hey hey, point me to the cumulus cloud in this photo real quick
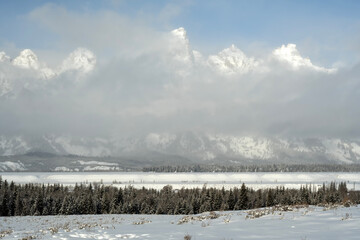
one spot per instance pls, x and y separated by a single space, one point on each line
126 78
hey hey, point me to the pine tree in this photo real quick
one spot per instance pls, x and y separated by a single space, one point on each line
231 200
11 204
4 209
243 201
64 206
18 206
270 198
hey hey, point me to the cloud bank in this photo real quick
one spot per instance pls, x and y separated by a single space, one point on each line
125 78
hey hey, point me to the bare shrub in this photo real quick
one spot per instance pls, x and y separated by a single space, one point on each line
202 217
5 232
142 221
187 237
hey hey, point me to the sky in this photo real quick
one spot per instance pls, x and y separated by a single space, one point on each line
103 68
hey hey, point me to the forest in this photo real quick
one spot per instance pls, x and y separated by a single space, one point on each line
256 168
40 199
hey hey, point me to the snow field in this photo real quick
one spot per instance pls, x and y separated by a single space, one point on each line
302 223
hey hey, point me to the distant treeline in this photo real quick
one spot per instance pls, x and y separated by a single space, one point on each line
36 199
258 168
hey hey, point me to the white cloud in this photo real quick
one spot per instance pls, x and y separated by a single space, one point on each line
104 32
4 57
5 85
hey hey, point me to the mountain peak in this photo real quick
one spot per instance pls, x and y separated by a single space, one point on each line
232 60
180 47
232 51
233 47
180 33
81 59
27 59
291 55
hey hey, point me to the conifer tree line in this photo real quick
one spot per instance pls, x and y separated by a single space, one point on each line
256 168
36 199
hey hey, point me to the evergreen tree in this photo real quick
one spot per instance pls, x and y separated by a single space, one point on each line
18 206
231 200
4 208
270 198
32 199
243 201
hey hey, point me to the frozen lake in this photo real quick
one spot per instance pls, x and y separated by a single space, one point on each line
188 180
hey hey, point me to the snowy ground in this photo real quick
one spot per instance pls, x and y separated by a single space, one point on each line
187 180
303 223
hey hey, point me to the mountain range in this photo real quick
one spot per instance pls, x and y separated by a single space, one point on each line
62 152
228 62
28 66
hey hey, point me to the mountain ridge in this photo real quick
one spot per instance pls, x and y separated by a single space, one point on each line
196 146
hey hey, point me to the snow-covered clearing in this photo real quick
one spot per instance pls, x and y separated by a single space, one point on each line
187 180
302 223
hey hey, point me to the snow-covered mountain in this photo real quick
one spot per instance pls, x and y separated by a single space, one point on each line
81 60
26 71
28 60
291 56
232 60
228 61
194 146
180 46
